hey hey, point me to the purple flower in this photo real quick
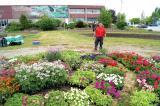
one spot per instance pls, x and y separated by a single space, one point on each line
97 85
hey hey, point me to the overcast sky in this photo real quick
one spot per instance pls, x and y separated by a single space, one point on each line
132 8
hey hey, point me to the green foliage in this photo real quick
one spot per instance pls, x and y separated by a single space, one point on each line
98 98
80 24
71 25
31 58
121 22
113 70
56 98
24 22
16 100
46 23
72 58
135 20
53 55
103 51
105 17
35 100
76 97
13 26
143 98
82 78
3 34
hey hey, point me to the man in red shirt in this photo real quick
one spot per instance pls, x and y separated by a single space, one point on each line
100 33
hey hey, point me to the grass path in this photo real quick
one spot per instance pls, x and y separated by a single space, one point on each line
79 41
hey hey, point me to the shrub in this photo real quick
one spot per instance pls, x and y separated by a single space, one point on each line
80 24
56 98
91 65
17 100
53 55
82 78
46 23
143 98
13 26
8 86
76 97
71 25
121 25
72 58
24 22
97 97
33 78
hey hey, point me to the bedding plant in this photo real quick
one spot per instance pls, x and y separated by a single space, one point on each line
83 80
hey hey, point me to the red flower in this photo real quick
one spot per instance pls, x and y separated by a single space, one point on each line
145 63
153 76
140 62
137 69
156 85
158 78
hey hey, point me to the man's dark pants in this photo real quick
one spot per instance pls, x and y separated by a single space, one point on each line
99 40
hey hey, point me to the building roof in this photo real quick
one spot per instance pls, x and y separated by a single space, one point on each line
6 12
85 6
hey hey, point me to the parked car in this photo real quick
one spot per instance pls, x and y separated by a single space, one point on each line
142 26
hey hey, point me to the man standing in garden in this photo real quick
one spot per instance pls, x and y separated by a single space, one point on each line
99 34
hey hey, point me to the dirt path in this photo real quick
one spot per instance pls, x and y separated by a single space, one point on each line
29 51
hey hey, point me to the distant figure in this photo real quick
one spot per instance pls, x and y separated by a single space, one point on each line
100 33
94 26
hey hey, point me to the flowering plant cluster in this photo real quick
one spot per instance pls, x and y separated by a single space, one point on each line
148 80
8 86
7 73
132 61
34 77
91 65
89 56
156 58
107 62
72 59
108 87
116 79
76 97
82 78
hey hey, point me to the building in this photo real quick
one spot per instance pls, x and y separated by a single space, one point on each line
86 13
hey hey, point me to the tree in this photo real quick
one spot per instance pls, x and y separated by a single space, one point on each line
135 20
105 17
46 23
24 22
121 21
113 15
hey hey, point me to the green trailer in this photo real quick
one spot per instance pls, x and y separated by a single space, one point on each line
11 40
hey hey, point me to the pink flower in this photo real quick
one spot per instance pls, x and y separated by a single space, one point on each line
145 63
97 85
153 76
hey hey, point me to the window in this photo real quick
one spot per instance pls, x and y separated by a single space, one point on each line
93 11
77 11
80 19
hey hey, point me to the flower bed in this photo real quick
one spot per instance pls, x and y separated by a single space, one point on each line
94 79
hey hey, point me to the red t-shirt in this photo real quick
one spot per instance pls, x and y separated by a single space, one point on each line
100 32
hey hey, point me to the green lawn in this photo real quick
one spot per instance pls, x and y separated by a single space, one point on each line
77 39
